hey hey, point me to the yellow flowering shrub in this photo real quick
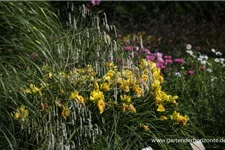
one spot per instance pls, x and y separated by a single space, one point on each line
119 86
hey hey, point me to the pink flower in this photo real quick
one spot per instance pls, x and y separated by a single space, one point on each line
191 72
160 65
127 48
160 60
168 61
168 57
95 2
145 50
137 48
150 57
179 60
159 55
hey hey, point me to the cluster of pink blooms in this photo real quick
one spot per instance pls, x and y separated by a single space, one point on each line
160 60
157 57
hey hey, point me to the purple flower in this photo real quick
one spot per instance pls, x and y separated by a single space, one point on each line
179 60
95 2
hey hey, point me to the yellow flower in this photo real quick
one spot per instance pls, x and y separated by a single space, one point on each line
145 127
110 73
127 74
16 115
183 120
20 113
50 75
152 64
125 87
158 97
156 85
124 107
110 65
144 78
175 116
138 91
179 118
174 102
161 108
131 108
120 81
101 106
75 95
105 86
143 64
96 95
35 89
107 78
65 112
96 86
163 118
28 91
173 98
164 96
125 99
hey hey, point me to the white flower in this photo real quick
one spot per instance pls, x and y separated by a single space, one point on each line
213 78
218 54
203 59
200 59
203 62
209 70
206 57
188 46
190 52
213 50
178 74
217 60
222 60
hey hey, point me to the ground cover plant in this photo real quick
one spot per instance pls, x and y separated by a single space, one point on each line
81 85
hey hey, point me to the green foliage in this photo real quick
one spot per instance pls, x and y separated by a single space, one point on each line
202 98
